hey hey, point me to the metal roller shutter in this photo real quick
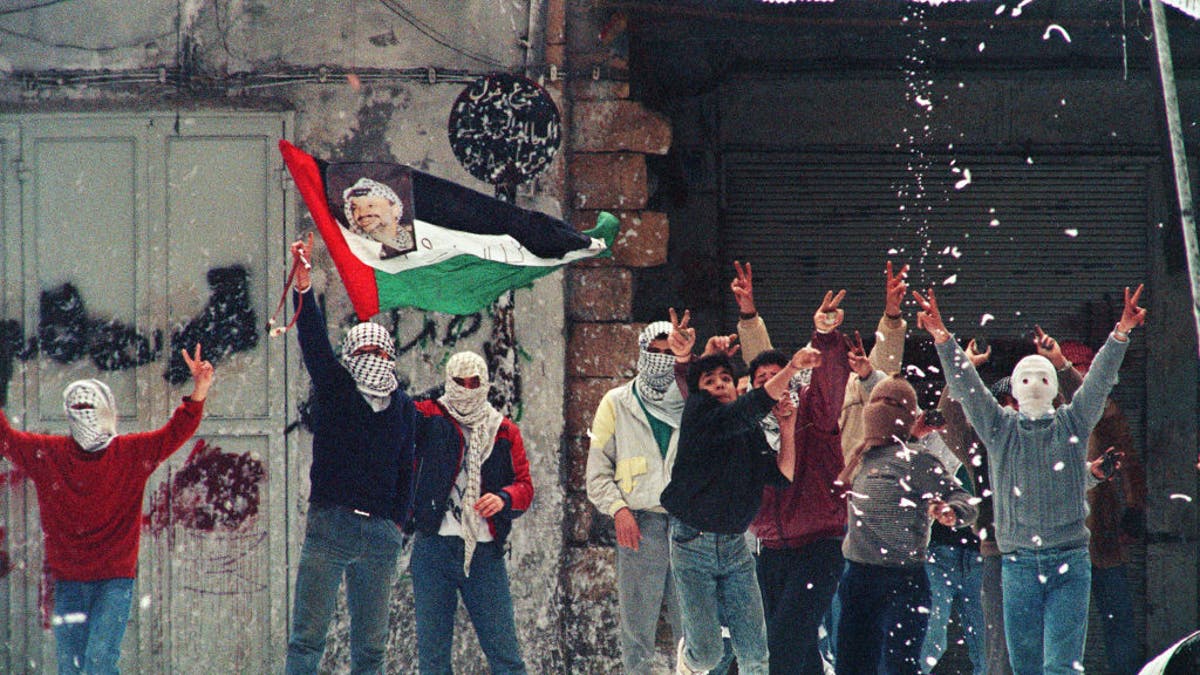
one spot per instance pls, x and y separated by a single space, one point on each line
1049 243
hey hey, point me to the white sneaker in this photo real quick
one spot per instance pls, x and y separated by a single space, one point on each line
681 667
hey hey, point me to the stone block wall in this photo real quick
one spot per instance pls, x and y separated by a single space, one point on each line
609 137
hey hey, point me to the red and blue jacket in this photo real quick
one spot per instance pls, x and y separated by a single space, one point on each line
439 454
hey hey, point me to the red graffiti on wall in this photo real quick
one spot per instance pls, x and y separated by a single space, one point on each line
214 490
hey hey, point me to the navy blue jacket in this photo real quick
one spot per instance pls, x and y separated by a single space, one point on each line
362 459
722 464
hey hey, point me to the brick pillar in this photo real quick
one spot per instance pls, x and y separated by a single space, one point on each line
607 140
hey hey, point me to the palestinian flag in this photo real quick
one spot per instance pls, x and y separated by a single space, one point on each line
403 238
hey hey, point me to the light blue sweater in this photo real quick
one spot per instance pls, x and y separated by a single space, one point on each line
1037 466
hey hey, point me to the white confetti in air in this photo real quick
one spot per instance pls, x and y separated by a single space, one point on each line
1043 578
1017 10
934 369
950 280
1055 27
915 371
977 460
975 501
1059 466
1077 666
1062 569
994 223
144 603
905 485
906 503
1181 497
809 586
1071 232
985 318
930 661
1037 541
981 45
923 102
999 11
922 610
892 251
1016 491
883 551
954 252
964 181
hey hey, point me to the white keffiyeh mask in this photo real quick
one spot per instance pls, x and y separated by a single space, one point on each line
375 375
470 408
91 413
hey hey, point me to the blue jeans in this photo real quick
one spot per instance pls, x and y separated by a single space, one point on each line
954 572
797 587
1046 608
438 579
339 542
1110 592
715 579
881 627
89 622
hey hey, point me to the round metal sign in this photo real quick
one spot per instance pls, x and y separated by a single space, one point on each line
504 129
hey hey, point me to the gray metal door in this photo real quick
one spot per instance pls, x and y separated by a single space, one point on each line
137 234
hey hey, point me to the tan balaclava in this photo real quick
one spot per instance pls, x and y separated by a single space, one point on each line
890 413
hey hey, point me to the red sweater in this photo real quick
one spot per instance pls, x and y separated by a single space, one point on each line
91 502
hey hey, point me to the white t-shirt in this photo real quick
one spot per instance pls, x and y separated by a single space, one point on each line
455 511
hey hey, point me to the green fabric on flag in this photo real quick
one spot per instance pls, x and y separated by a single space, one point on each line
466 284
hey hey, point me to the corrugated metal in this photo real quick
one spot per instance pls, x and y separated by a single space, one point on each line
1049 243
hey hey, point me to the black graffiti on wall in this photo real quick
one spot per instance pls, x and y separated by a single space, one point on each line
226 325
68 333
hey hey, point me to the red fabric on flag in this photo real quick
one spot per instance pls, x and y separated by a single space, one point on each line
358 278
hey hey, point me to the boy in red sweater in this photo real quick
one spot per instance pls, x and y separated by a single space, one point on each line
89 488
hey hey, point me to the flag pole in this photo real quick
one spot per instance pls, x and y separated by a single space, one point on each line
1187 214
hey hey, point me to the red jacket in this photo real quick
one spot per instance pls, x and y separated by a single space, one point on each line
91 502
438 460
808 509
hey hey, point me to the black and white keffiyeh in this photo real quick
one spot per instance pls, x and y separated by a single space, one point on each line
91 413
374 375
655 382
656 372
470 408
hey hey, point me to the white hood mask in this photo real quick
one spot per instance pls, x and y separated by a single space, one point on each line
91 413
374 375
1034 385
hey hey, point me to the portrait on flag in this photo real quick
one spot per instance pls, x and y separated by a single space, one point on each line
374 203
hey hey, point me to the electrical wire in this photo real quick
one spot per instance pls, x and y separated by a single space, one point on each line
88 48
432 33
27 8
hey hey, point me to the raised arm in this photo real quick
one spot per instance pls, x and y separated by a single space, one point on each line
752 332
1087 405
888 351
319 359
681 342
962 380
